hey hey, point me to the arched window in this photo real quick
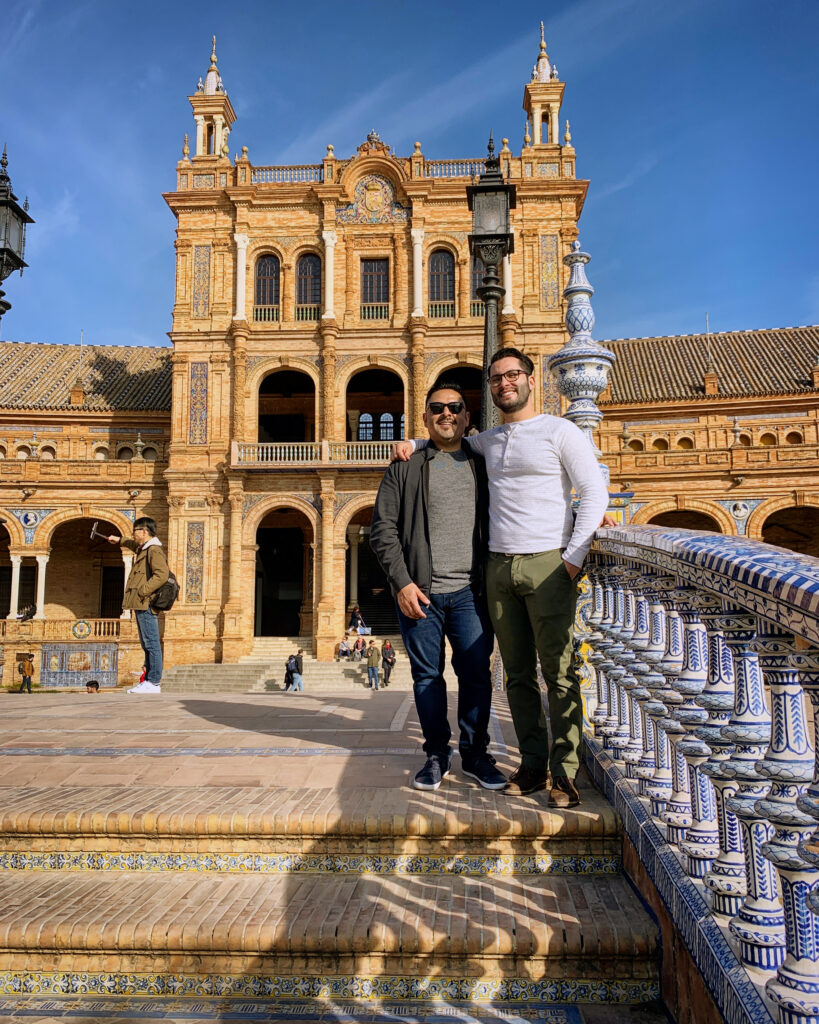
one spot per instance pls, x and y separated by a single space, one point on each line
308 287
476 306
402 435
768 440
659 444
2 452
150 454
266 307
441 284
745 440
365 427
23 452
101 453
794 437
635 445
47 453
386 427
125 454
685 442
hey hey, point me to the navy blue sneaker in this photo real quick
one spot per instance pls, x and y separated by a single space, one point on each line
433 773
482 767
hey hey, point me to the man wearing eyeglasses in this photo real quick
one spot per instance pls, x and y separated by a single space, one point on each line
429 532
536 550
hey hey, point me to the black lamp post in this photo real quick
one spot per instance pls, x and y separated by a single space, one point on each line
490 201
13 221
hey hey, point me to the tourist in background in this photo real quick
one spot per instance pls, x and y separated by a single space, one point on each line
373 658
387 660
26 669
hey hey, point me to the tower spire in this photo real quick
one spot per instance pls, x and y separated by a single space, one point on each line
542 71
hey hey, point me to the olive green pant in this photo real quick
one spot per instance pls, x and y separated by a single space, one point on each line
532 604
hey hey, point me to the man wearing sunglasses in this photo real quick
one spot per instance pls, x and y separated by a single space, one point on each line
429 532
536 549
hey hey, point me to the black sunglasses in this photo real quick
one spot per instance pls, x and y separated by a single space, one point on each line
436 408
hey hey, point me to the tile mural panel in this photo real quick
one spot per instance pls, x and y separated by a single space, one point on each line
201 280
549 273
194 562
72 665
198 403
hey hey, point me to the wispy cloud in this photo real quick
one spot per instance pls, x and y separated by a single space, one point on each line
19 20
645 165
55 224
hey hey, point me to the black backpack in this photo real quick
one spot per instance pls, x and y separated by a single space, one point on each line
292 664
162 600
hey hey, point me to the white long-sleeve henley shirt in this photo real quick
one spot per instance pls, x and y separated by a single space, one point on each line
532 467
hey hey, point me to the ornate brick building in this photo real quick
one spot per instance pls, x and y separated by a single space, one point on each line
314 306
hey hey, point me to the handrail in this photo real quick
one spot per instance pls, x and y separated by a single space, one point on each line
286 173
369 452
685 635
470 167
278 452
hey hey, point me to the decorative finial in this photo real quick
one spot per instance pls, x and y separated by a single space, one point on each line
504 145
542 71
373 138
527 138
491 147
330 149
542 39
567 135
25 204
416 147
213 56
186 149
200 85
4 160
554 73
225 149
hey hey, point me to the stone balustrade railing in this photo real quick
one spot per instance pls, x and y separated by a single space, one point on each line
703 649
283 455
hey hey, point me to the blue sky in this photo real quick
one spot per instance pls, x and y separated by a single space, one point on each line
695 121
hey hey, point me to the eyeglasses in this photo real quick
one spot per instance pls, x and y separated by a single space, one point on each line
436 408
510 375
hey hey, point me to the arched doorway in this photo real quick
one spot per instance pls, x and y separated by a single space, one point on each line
366 583
284 574
85 578
27 591
470 379
794 528
686 519
287 407
375 406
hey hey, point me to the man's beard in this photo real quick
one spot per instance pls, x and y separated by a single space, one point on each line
511 404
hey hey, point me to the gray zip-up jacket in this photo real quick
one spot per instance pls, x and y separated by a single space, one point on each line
399 535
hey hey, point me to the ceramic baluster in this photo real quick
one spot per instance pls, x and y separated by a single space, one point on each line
623 679
677 811
657 785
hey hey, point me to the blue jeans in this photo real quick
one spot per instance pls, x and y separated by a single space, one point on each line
148 629
372 676
296 682
463 618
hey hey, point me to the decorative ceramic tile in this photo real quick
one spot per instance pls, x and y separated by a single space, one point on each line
551 392
549 273
203 181
548 169
198 404
194 562
373 203
72 665
201 280
424 990
287 863
30 519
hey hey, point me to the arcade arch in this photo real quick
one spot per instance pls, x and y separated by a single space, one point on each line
795 528
366 584
686 519
375 406
287 407
85 577
283 578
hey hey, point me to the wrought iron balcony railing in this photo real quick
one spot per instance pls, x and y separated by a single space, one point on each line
698 653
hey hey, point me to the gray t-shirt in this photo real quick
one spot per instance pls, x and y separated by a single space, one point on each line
452 511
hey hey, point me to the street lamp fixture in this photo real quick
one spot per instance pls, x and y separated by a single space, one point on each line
490 201
13 221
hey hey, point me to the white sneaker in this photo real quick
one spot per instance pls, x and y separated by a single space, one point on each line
145 687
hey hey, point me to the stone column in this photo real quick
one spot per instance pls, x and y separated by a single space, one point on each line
330 238
287 283
235 553
464 287
127 562
554 125
537 124
200 135
418 329
326 629
329 334
218 126
240 335
16 562
508 302
42 562
242 242
354 536
417 235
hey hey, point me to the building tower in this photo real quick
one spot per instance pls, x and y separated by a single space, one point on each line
212 112
542 98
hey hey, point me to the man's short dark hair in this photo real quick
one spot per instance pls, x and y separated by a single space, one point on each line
93 684
513 353
147 524
445 385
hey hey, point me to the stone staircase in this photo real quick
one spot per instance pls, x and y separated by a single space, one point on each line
263 670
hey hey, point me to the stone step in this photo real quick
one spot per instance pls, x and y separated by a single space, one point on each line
472 930
265 676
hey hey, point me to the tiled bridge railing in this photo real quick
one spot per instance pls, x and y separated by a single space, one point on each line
703 649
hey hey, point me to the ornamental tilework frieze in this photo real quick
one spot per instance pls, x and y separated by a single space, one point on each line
129 513
249 501
254 361
551 393
198 414
343 498
740 511
548 170
203 181
201 280
373 203
30 519
194 562
549 276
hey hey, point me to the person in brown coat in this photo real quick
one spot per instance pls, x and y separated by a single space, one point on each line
148 573
26 670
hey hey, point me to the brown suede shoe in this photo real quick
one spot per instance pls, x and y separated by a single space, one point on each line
564 792
527 780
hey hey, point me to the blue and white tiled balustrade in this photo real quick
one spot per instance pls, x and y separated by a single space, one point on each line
703 651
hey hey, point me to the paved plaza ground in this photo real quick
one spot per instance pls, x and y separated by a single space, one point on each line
88 770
